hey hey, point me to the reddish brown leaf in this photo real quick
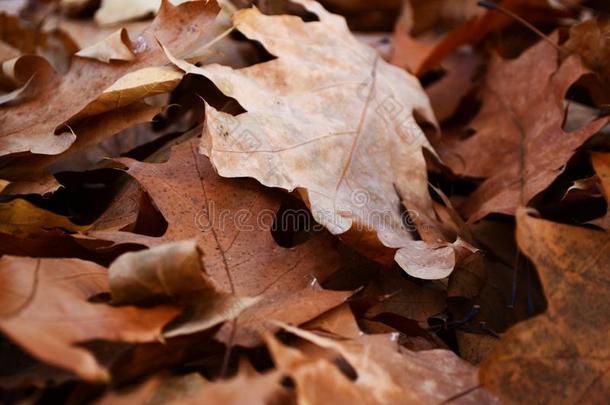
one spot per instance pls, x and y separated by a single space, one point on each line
32 126
521 117
45 309
382 372
563 355
231 222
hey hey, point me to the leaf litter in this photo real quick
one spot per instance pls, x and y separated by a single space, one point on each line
299 202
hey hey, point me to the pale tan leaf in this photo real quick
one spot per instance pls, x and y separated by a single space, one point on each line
133 86
117 46
337 124
116 11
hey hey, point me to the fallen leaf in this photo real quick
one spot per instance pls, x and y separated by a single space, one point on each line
22 218
32 126
86 33
406 299
20 70
447 93
562 355
13 95
339 321
590 40
133 86
255 389
479 27
601 164
231 221
174 272
382 372
512 125
339 127
90 131
26 39
117 46
7 52
24 76
409 53
169 175
45 309
113 12
426 15
18 36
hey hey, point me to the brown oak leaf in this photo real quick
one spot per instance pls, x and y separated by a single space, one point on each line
44 308
561 356
37 125
231 221
337 124
522 115
381 372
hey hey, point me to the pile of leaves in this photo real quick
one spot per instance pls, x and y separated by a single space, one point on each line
378 202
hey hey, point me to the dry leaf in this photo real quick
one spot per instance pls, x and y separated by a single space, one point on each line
166 182
90 131
419 16
32 126
522 115
447 93
20 70
24 76
339 321
116 11
338 126
86 33
601 164
45 309
382 372
590 40
406 299
478 28
256 389
231 222
21 218
562 355
174 272
117 46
